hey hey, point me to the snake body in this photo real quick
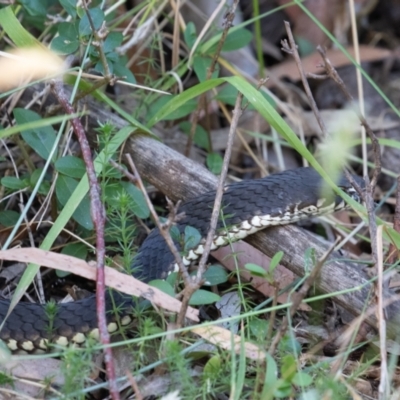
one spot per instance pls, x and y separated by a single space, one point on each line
247 207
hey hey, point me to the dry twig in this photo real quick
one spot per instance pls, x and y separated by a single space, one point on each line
292 50
163 227
216 209
228 23
98 217
191 285
330 72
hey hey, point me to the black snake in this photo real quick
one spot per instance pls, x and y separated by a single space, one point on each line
247 207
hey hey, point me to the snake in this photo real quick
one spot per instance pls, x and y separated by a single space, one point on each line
247 207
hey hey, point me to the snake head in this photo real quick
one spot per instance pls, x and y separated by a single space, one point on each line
350 190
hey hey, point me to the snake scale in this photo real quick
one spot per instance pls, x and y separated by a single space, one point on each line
247 207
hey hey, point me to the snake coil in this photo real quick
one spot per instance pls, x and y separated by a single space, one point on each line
247 207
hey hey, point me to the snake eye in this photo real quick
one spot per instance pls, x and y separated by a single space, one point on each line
353 194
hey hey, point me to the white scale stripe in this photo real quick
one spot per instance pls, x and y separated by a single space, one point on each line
258 223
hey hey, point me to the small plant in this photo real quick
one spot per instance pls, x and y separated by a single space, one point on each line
77 368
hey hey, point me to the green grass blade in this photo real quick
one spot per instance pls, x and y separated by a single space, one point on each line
16 32
36 124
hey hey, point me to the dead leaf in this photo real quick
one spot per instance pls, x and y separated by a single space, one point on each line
122 282
310 63
223 338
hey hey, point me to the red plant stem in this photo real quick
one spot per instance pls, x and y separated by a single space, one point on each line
98 217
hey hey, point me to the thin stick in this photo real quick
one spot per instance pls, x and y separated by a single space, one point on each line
292 50
98 217
331 72
354 33
228 23
189 290
134 385
384 385
163 227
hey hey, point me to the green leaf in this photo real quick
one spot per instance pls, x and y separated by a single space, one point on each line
44 186
288 367
71 166
65 186
172 278
270 379
302 379
190 35
215 275
122 72
69 6
289 344
14 183
200 134
138 205
35 7
213 367
67 41
234 41
80 12
97 16
175 234
214 163
258 328
256 270
227 95
393 236
63 45
237 39
201 66
100 68
192 238
112 57
17 33
164 286
9 218
284 389
113 40
276 259
40 139
201 297
78 250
